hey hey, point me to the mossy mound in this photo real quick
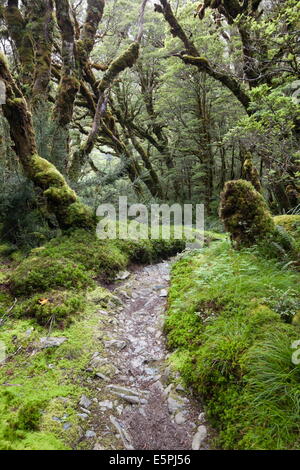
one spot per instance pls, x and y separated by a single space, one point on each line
55 306
103 258
40 274
73 260
247 218
291 223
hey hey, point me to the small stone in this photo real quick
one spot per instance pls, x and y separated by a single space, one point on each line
98 447
180 418
102 376
90 434
67 426
115 344
174 405
83 415
163 293
85 401
202 418
122 275
168 389
106 404
199 437
56 419
85 410
48 342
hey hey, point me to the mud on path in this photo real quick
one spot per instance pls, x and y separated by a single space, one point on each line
142 404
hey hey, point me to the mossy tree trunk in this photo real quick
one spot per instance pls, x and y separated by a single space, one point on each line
75 54
61 199
42 32
20 34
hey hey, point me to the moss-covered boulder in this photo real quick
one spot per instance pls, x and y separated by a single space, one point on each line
247 218
59 306
291 223
39 274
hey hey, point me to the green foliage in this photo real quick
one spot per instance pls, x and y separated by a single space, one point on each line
225 324
291 223
25 221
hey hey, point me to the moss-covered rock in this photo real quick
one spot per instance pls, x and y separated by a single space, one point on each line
39 274
291 223
58 306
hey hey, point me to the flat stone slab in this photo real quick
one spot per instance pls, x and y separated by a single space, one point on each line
121 276
48 342
199 437
85 402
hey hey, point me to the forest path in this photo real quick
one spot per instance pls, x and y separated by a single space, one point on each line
144 405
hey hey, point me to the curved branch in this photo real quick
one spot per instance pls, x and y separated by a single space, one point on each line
192 57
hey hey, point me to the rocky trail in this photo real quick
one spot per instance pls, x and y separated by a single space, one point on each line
139 404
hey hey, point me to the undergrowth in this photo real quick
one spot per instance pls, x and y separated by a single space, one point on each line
52 292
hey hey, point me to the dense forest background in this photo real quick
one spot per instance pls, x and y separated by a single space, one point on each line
160 101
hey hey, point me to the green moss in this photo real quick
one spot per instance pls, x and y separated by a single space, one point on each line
63 196
250 173
226 326
55 306
126 59
246 217
67 91
79 215
201 62
40 274
33 416
45 173
291 223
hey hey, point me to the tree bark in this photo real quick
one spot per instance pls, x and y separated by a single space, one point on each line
61 199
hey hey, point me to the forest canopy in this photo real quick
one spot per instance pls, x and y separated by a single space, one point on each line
159 100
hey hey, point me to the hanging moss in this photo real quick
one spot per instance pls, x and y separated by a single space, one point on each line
250 173
245 214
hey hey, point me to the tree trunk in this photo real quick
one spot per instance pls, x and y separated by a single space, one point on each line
61 199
